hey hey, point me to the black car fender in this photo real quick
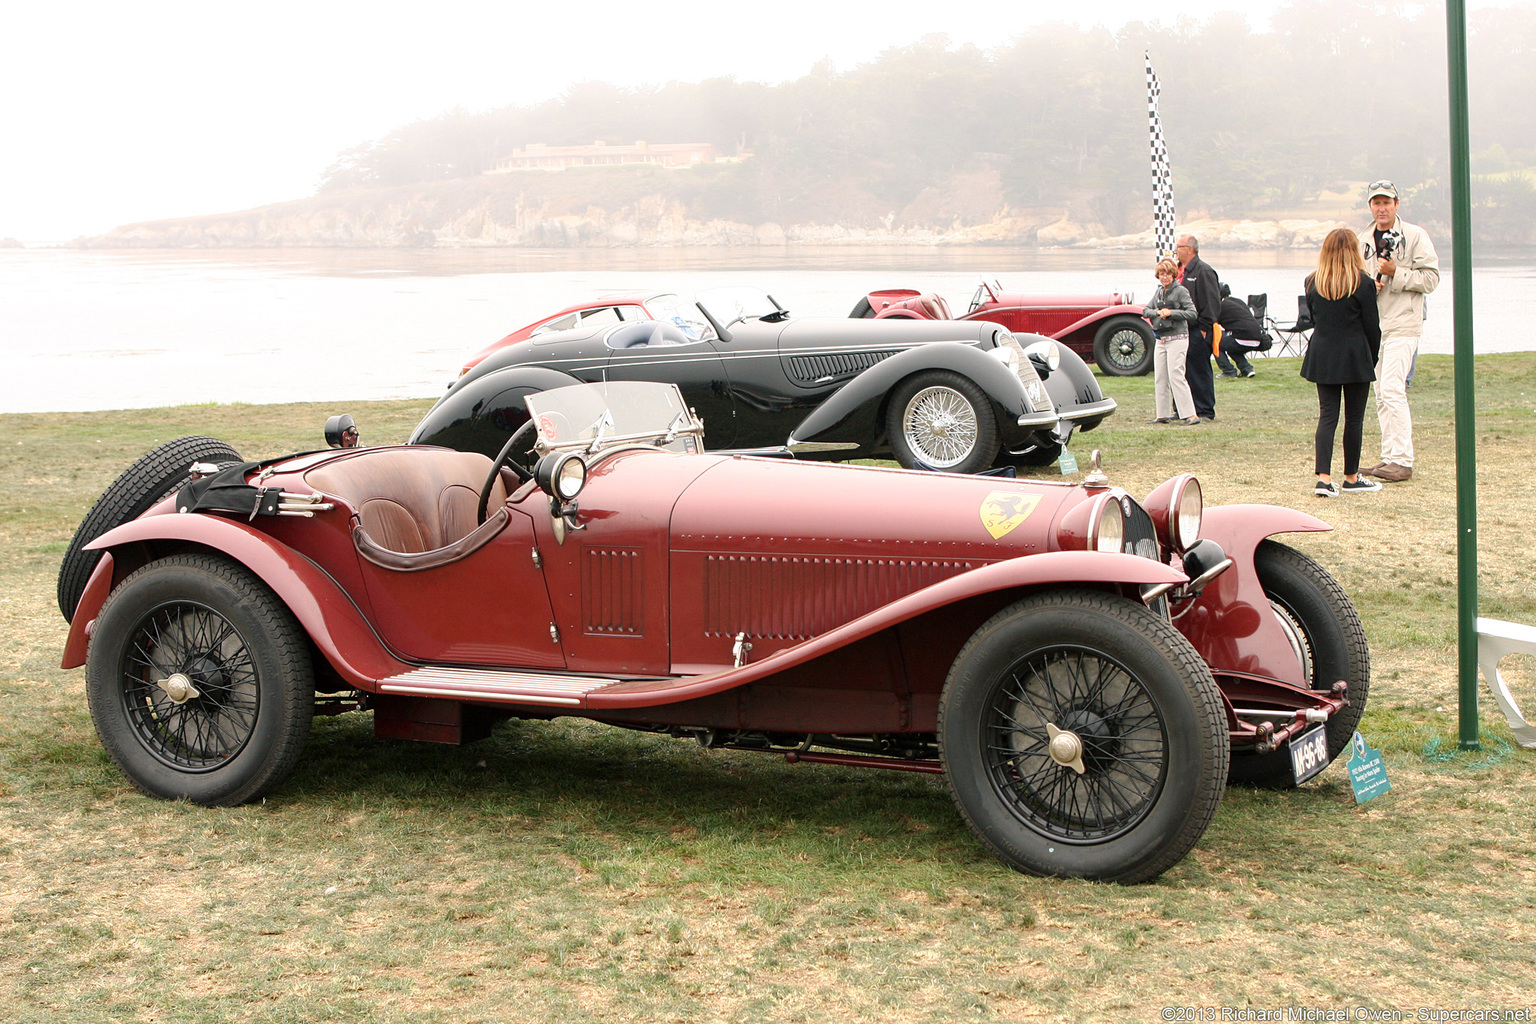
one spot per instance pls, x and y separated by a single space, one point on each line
856 411
1073 386
479 414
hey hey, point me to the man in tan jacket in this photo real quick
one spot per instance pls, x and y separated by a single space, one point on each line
1403 261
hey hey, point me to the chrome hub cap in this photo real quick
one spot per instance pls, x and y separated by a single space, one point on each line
178 688
940 426
1066 748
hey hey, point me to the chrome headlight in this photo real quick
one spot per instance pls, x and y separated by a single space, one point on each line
561 476
1008 352
1188 507
1045 353
1107 531
1176 507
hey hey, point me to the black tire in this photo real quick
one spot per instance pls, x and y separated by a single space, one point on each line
198 621
862 310
157 473
1123 346
941 420
1329 641
1142 709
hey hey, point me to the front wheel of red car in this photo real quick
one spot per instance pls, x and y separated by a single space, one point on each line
941 420
1123 346
200 682
1082 736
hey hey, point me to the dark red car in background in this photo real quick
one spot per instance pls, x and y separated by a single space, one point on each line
1108 329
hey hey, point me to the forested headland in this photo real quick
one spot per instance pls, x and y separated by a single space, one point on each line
1041 140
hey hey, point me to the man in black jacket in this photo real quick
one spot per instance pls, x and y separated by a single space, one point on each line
1205 291
1241 333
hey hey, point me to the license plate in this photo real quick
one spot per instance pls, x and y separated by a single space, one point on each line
1309 753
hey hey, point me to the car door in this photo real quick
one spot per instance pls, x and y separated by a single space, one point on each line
695 365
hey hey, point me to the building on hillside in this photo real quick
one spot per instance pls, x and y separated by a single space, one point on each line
541 157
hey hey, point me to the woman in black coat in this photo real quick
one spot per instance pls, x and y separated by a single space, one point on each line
1341 357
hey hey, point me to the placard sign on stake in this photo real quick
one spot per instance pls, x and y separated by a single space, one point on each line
1367 773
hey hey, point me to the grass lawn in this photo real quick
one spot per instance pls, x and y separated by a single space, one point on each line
570 872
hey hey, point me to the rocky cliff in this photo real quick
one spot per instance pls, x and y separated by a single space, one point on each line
562 211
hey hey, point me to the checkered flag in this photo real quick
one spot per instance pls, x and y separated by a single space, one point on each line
1162 177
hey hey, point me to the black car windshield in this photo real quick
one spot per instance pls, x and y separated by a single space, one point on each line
728 305
592 417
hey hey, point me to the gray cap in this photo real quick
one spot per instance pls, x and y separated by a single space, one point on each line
1381 188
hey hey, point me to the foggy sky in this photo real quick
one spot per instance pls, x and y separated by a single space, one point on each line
115 113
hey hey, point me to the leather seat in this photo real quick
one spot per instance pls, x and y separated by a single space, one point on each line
414 502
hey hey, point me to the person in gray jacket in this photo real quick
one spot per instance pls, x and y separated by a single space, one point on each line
1170 313
1402 261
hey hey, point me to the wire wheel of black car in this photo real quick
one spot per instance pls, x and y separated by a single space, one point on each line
1329 642
200 682
158 472
1083 736
941 420
1123 346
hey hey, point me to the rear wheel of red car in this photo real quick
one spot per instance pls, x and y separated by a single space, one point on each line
200 682
1123 346
1082 736
941 420
1329 641
157 473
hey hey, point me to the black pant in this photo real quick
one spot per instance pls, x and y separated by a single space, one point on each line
1354 396
1197 371
1233 350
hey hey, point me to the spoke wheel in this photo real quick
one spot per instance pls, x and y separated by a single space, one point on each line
1082 736
943 421
1077 747
1123 347
190 687
200 682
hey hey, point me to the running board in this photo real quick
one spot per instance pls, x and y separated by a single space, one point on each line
490 685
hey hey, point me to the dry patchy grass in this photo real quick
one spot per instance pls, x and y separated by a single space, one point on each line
570 872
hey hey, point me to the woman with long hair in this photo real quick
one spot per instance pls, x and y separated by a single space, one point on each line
1341 357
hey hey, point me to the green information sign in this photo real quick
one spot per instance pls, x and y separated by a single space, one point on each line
1366 772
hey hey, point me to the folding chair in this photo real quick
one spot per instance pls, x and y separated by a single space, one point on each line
1293 337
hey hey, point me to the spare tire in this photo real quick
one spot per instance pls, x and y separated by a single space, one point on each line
156 474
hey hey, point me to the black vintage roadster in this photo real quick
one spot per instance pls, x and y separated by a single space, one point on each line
946 395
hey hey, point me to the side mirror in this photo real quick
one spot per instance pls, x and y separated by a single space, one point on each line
341 432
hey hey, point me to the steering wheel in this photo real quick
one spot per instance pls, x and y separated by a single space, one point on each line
504 458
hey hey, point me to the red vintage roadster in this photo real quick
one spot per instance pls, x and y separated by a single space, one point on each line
1086 670
1107 329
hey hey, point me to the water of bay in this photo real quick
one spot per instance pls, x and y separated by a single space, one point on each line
86 330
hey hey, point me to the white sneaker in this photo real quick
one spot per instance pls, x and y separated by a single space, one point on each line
1362 483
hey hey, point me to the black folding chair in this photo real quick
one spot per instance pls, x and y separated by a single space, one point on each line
1292 337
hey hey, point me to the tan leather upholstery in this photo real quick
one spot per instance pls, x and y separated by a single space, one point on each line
934 305
411 500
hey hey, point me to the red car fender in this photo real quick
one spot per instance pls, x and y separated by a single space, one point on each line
1232 624
1056 567
323 609
1098 316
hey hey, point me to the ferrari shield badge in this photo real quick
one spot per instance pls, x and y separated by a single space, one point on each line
1001 511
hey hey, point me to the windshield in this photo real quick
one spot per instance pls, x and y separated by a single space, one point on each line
669 309
728 305
592 417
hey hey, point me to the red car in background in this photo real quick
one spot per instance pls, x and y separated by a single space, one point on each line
1107 329
620 307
